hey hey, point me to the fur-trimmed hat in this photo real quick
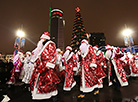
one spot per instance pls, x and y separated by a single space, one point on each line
58 50
69 48
46 35
84 41
96 47
28 52
108 47
20 52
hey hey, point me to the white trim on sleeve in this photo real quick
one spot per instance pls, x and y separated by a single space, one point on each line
51 65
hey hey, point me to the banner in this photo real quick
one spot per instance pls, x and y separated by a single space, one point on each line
22 43
131 41
16 44
126 41
133 50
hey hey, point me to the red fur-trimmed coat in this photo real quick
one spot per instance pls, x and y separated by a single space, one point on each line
70 65
100 65
120 73
43 81
89 71
134 70
126 66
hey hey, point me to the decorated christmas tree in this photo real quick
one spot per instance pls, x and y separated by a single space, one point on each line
79 32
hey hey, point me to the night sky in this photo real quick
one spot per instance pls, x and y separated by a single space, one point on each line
107 16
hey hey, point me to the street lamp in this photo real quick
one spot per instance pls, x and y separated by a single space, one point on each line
20 33
127 32
20 41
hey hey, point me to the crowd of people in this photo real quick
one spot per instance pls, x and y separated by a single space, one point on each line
46 66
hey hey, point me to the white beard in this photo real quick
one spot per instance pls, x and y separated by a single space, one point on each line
108 54
27 57
83 48
66 54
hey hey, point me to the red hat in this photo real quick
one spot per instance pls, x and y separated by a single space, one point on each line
28 52
20 52
96 47
84 41
117 49
46 35
108 47
69 48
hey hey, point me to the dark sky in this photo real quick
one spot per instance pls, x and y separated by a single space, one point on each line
107 16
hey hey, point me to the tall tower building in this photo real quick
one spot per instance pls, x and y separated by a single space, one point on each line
57 28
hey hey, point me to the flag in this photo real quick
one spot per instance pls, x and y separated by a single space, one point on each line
131 40
16 44
126 41
22 43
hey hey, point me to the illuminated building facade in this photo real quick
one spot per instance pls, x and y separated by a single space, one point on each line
97 39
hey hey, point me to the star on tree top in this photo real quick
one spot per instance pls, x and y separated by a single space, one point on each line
78 9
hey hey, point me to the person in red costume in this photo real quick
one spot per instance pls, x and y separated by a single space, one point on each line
116 73
18 66
100 64
43 81
89 72
70 64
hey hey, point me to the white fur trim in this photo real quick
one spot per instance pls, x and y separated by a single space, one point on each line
88 89
51 65
133 75
63 67
37 96
118 76
100 86
84 40
75 69
20 53
83 78
102 63
110 83
96 48
6 98
69 56
28 52
68 48
44 36
125 61
93 65
105 66
69 88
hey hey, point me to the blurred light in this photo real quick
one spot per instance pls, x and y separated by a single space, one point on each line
127 32
20 33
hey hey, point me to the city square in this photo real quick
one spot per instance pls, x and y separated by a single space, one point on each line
63 51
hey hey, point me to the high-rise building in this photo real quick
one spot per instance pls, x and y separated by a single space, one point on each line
57 28
97 39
